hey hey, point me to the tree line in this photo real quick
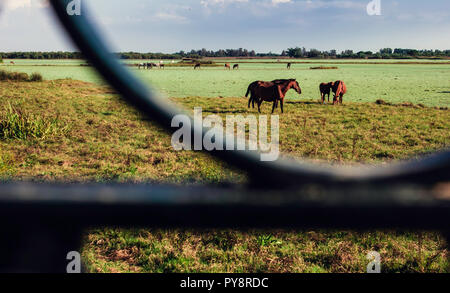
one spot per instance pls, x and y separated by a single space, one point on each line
386 53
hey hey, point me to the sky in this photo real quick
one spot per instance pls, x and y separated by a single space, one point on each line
261 25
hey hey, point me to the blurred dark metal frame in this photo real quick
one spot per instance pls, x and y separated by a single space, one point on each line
43 222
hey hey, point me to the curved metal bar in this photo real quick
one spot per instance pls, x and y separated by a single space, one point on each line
275 174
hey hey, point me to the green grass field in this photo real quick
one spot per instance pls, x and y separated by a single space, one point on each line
73 131
427 84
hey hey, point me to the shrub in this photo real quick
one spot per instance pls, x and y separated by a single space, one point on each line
19 76
17 124
36 77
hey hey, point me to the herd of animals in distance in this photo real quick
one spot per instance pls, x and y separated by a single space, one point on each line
275 91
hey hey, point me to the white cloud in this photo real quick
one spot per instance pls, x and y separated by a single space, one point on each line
170 16
280 1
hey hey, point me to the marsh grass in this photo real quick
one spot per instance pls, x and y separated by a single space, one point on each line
19 124
108 141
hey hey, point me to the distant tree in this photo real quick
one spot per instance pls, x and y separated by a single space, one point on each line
295 52
386 51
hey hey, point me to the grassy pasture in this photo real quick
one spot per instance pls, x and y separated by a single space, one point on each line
95 137
426 84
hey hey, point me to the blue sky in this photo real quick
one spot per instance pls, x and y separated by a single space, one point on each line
262 25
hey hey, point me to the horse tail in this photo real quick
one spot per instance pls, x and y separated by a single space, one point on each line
248 91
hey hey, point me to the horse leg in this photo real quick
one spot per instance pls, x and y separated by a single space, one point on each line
252 101
274 106
340 98
259 106
281 105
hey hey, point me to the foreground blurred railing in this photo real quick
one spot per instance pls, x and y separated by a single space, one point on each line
44 222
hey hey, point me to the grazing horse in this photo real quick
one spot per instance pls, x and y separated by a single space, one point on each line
252 87
227 66
12 62
289 65
274 92
339 89
161 66
235 66
325 89
151 65
142 65
197 66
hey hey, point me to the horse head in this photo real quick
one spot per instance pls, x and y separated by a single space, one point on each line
296 86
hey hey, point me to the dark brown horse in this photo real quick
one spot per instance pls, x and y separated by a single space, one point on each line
325 89
150 65
235 66
197 66
274 92
289 65
252 90
227 66
339 89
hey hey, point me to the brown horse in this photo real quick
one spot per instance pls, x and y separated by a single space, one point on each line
325 89
197 66
235 66
227 66
289 65
12 63
150 65
275 92
339 89
252 90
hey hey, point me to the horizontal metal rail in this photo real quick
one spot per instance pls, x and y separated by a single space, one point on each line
352 207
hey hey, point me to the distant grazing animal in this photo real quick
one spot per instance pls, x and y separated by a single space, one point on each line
227 66
273 92
289 65
12 62
161 66
325 89
150 65
141 65
197 66
235 66
339 89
